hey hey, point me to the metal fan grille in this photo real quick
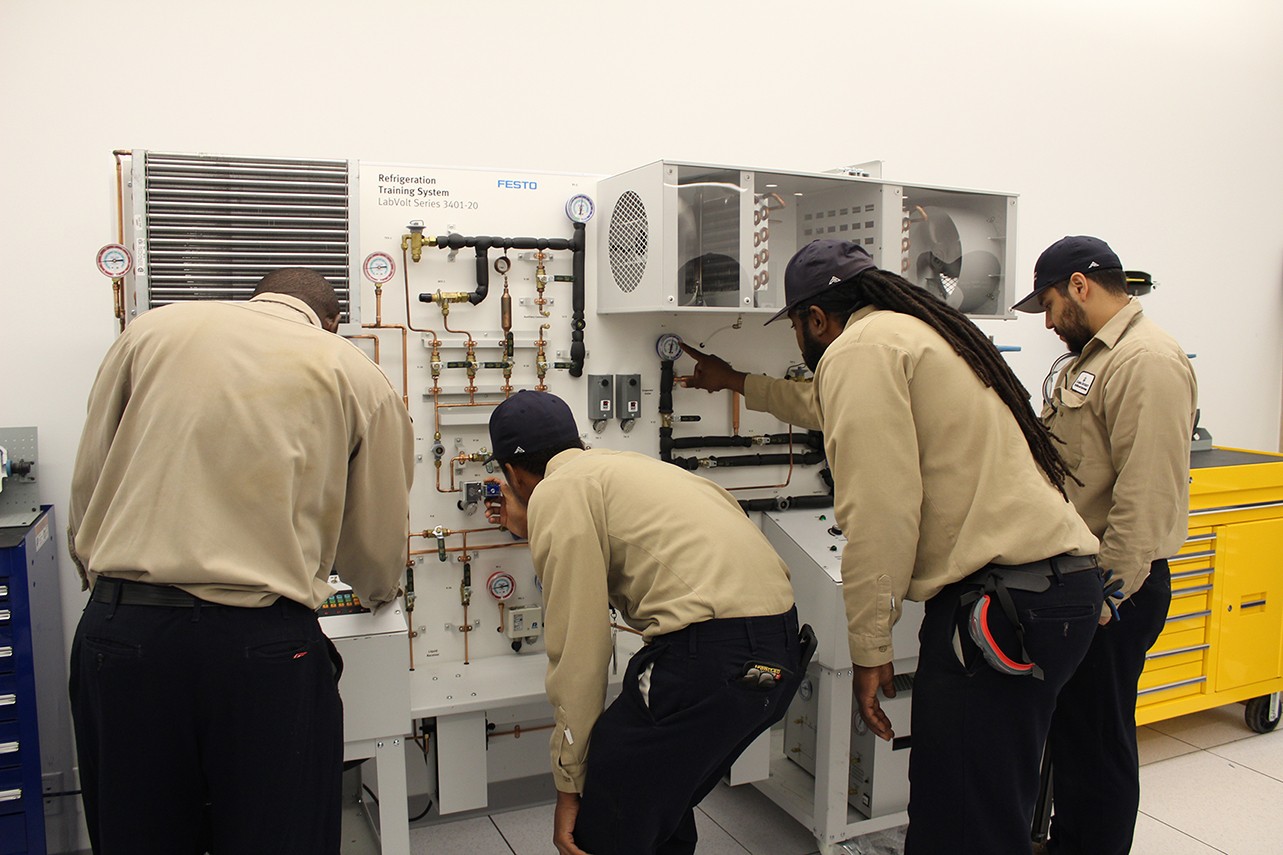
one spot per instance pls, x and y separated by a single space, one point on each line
629 241
216 225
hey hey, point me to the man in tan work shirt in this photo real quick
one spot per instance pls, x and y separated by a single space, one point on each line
675 555
1124 411
234 455
949 492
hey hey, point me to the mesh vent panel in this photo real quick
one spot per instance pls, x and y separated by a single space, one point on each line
629 241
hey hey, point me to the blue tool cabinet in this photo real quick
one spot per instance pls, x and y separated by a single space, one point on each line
22 816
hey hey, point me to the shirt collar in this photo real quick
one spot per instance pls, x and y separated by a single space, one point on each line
561 459
1113 330
291 302
860 314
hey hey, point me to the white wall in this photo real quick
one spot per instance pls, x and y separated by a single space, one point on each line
1155 124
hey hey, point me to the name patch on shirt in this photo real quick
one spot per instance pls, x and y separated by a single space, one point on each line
1082 385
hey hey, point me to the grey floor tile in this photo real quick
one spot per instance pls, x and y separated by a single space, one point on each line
1208 728
476 836
1153 746
1155 838
528 831
756 822
1221 804
713 839
1262 752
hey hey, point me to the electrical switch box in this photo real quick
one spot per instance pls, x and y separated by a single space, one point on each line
627 396
601 396
523 622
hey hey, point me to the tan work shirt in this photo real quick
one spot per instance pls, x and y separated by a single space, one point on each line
1124 410
666 548
240 452
932 476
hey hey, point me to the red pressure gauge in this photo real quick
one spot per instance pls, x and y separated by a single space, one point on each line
501 585
114 260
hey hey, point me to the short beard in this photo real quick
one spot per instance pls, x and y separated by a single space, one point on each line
812 349
1074 328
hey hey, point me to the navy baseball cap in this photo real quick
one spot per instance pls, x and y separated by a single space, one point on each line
1067 256
530 422
819 266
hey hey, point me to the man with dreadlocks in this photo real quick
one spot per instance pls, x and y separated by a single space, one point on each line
951 493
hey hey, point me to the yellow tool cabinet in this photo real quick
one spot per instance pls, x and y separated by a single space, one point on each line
1223 642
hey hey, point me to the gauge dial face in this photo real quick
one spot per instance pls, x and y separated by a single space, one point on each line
114 260
580 208
378 267
669 346
501 585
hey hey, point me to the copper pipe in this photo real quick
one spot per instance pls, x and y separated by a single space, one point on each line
466 629
626 628
405 277
517 730
120 194
735 413
373 338
118 284
787 478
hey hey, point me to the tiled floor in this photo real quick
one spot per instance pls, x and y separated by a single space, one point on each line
1208 785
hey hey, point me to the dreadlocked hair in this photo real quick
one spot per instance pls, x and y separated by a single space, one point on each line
888 291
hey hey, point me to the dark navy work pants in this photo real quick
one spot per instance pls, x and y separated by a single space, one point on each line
650 764
1095 770
207 725
978 735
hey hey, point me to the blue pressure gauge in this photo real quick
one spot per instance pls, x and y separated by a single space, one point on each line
580 208
669 346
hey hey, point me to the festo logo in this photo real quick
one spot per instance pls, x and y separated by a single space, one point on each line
833 280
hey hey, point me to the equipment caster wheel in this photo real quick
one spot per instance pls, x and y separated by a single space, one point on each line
1257 714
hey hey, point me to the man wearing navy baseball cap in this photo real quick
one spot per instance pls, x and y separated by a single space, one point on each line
1123 410
951 493
675 555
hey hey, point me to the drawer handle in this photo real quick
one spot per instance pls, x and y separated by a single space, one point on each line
1197 571
1185 592
1175 618
4 615
1251 604
5 652
1175 685
10 795
1177 651
8 700
1190 556
1251 506
8 748
4 590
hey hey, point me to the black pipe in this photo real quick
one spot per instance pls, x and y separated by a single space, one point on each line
665 410
811 440
809 458
577 323
484 243
783 503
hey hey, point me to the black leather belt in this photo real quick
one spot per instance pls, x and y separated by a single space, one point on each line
127 593
1059 565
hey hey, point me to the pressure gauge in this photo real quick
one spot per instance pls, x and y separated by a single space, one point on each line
669 346
114 260
501 585
580 208
378 267
502 265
